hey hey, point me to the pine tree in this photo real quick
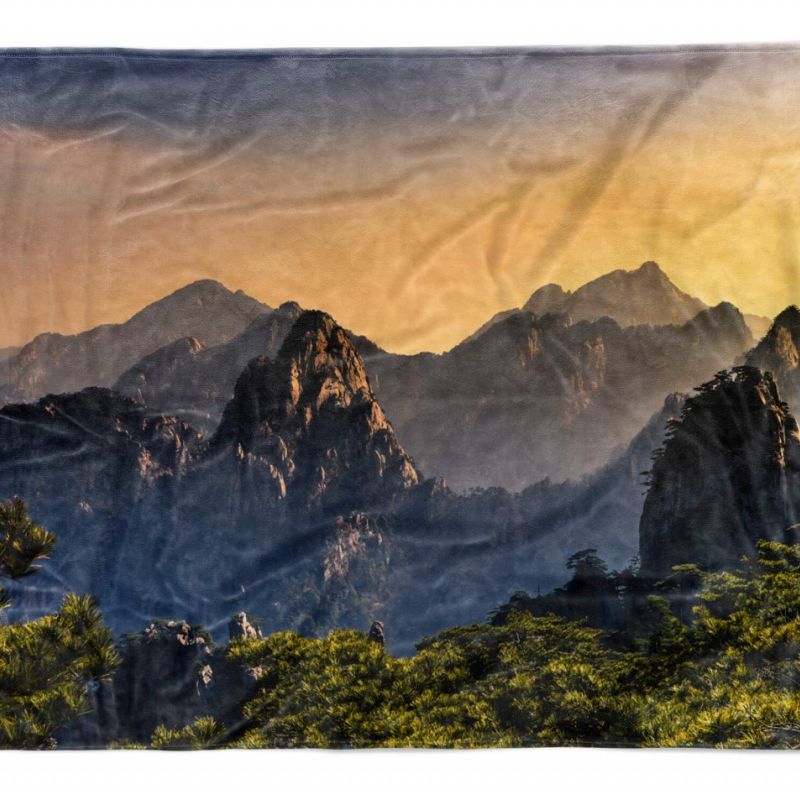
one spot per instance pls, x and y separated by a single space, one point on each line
22 544
47 663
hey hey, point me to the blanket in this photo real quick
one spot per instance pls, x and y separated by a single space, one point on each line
403 398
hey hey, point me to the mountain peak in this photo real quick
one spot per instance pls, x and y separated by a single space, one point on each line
546 299
310 421
789 318
203 293
311 324
650 269
204 285
738 434
779 352
318 350
643 296
648 275
54 363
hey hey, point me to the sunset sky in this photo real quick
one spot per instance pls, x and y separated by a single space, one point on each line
410 195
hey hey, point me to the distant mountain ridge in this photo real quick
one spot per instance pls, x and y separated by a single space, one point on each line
535 397
642 296
645 296
529 397
195 381
54 363
532 395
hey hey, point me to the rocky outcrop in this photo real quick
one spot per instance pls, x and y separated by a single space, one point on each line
170 673
376 633
53 363
196 382
307 429
727 476
241 628
779 353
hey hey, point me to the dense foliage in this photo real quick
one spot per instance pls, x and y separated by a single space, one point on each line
703 659
45 664
711 659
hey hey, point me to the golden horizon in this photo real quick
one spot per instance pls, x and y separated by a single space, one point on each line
410 199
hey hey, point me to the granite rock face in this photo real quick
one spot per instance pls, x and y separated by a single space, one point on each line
195 382
727 476
306 429
779 353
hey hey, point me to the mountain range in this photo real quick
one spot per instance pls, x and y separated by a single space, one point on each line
303 503
534 395
644 296
272 460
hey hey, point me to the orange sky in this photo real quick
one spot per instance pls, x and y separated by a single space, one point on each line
411 202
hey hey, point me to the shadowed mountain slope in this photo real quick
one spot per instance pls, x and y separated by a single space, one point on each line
728 475
779 353
537 397
196 382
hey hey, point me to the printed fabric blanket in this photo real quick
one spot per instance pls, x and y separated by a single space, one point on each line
411 398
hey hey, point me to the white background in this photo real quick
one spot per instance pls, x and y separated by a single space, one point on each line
198 24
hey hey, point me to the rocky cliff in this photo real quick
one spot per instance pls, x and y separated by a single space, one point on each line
727 476
196 382
308 428
779 353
